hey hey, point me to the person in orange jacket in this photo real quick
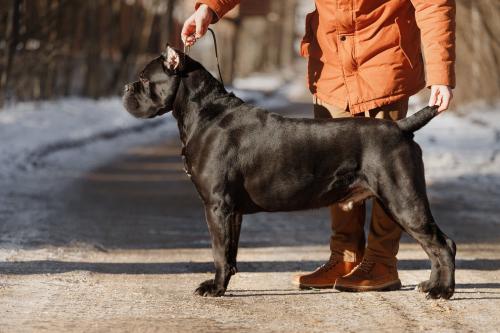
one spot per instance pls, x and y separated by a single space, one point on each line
364 60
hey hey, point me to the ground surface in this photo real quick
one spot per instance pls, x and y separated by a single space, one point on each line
108 235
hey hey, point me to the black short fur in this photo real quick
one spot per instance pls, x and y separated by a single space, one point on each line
244 160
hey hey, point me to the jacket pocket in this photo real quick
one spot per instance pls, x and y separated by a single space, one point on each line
409 40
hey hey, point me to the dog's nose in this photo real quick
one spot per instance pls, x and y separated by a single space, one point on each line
144 81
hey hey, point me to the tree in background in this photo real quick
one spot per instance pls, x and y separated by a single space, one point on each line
74 47
478 50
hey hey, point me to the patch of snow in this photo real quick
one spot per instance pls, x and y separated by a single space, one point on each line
31 128
268 91
458 143
260 82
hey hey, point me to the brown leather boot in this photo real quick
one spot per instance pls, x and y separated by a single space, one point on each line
325 275
370 276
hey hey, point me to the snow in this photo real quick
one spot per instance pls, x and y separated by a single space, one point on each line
267 90
463 143
259 82
28 130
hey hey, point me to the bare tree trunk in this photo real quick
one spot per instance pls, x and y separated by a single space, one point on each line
230 72
170 19
478 51
92 49
288 36
50 77
12 37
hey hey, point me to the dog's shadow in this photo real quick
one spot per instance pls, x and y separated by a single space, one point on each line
289 292
56 267
241 293
461 289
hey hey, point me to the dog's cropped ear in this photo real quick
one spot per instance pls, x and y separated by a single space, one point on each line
172 58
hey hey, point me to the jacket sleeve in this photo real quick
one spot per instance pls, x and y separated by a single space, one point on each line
220 7
436 20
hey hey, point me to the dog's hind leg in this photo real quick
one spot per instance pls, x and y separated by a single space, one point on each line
405 198
416 219
224 225
441 250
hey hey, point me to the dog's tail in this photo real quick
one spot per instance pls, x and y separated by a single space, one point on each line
418 120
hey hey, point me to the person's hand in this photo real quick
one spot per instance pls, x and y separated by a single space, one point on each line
441 96
196 25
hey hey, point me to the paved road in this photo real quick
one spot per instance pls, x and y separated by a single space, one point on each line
120 244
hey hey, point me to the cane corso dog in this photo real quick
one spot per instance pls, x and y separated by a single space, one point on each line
243 160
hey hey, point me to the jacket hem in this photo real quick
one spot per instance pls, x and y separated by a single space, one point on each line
370 104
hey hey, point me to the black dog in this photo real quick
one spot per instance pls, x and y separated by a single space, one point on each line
244 160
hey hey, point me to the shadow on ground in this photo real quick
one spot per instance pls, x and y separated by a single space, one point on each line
53 266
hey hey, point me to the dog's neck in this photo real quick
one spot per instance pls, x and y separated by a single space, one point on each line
200 98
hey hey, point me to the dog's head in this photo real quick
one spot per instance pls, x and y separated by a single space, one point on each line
155 92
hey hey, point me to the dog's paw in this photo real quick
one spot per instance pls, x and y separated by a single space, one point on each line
447 293
440 292
209 289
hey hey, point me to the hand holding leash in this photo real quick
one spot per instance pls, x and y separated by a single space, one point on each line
196 25
441 96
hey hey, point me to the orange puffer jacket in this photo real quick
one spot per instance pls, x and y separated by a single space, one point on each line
367 53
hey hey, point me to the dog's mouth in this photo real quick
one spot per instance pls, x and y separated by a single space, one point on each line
132 97
160 112
130 102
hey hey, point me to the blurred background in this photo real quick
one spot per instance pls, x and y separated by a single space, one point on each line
54 48
100 225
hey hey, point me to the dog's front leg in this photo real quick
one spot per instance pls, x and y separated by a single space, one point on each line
224 225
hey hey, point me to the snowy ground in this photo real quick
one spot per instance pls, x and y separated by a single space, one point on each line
101 230
31 131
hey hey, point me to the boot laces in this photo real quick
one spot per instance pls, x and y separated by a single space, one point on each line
334 260
365 266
